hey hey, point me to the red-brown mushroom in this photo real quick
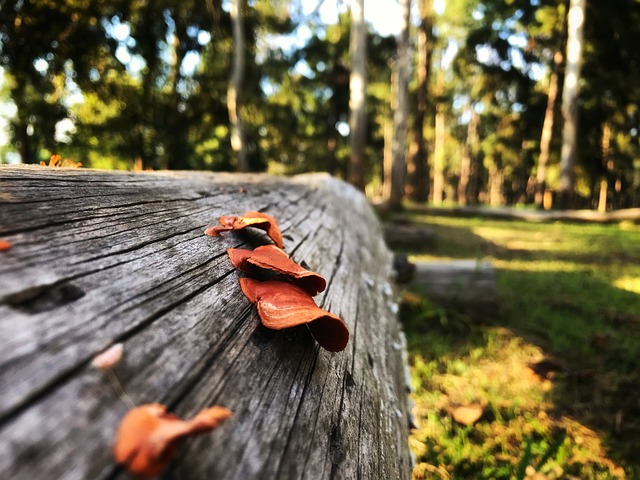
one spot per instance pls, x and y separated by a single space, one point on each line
259 220
284 305
148 436
274 259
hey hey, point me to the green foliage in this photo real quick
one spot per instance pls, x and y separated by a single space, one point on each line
154 76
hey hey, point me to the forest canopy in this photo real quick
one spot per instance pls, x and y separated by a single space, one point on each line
493 93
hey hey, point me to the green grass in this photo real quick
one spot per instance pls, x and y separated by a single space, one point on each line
555 370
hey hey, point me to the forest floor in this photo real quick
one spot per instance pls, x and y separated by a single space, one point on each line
547 386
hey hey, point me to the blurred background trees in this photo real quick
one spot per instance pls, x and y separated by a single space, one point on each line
141 84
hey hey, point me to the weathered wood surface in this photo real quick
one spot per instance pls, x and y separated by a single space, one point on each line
468 285
106 257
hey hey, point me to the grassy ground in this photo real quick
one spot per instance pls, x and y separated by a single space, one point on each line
554 373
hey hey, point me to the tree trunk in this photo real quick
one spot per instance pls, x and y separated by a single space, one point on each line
547 130
467 190
438 157
496 184
401 112
387 154
357 95
607 160
570 93
125 260
234 92
418 166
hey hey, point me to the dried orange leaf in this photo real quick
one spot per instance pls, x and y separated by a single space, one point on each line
148 436
259 220
467 414
110 357
56 161
284 305
4 245
270 257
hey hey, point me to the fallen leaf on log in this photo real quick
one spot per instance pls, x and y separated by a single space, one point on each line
109 358
148 436
274 259
259 220
284 305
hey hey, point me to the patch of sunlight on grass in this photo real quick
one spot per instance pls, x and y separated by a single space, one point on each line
630 284
537 265
523 240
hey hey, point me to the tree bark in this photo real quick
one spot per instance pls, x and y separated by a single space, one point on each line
547 130
357 95
418 166
570 94
467 188
122 258
401 112
607 160
234 92
439 157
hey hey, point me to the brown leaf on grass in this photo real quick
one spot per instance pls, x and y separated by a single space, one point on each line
284 305
148 436
5 246
259 220
467 414
274 259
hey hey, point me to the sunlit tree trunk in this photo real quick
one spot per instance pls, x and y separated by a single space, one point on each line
607 160
401 112
417 187
496 183
438 156
234 91
387 154
357 95
570 92
547 130
468 168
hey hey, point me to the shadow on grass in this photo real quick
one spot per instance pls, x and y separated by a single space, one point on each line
588 332
592 347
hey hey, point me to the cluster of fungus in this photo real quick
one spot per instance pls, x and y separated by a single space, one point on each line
284 300
149 435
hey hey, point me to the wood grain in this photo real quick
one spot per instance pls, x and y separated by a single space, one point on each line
106 257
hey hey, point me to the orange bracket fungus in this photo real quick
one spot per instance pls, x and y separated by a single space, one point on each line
259 220
272 258
148 436
5 246
283 305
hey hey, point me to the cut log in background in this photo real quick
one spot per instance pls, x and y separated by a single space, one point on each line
106 257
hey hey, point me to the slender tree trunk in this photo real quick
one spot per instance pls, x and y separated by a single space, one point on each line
438 157
607 160
401 112
387 158
570 94
234 91
496 183
418 166
467 164
176 155
357 95
547 130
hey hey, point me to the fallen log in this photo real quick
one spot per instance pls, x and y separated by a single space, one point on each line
469 286
100 258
